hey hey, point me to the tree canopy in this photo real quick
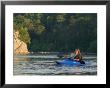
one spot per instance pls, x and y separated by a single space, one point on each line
57 31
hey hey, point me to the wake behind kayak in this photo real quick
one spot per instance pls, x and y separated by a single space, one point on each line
70 62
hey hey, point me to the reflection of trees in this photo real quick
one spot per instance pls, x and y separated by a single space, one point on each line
22 59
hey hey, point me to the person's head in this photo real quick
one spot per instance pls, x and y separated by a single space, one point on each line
79 51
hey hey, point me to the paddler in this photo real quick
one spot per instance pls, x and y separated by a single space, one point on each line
76 55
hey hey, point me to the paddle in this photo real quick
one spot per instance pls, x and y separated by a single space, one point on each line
82 62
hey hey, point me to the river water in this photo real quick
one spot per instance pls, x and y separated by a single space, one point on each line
46 65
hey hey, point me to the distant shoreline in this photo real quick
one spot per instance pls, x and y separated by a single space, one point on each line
49 55
54 53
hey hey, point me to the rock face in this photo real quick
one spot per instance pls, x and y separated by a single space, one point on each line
19 46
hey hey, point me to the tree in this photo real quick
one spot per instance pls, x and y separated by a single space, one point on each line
57 31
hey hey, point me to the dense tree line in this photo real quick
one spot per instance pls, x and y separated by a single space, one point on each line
57 31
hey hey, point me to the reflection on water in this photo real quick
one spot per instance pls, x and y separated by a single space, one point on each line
29 65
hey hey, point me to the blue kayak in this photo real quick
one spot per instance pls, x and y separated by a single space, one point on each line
69 62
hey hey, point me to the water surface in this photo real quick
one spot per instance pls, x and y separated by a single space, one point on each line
46 65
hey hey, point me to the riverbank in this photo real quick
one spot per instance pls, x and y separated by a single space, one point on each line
57 53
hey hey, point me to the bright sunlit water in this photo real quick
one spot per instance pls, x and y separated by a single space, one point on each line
46 65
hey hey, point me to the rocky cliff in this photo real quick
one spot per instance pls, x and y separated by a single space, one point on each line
20 47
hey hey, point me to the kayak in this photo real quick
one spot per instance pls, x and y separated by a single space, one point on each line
69 62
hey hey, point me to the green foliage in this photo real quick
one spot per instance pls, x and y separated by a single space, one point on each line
60 18
21 24
92 47
58 31
24 35
39 29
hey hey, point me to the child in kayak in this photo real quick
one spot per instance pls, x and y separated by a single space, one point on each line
76 55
